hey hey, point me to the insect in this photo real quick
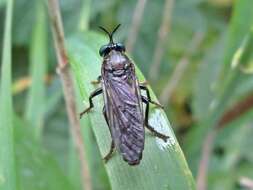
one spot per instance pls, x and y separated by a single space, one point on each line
123 109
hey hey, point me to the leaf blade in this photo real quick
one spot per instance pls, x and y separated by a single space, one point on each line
7 162
36 167
242 20
167 166
38 59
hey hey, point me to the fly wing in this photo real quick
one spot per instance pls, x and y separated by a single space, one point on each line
124 112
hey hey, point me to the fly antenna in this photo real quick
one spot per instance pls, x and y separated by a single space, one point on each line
102 28
110 34
115 29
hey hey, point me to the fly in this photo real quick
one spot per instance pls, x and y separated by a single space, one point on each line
123 109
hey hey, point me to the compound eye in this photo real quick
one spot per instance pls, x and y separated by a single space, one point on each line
120 47
104 50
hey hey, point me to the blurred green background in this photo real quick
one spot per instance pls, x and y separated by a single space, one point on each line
204 81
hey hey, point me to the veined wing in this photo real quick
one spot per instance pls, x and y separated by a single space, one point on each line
124 112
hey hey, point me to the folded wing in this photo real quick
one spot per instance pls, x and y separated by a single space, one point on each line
124 112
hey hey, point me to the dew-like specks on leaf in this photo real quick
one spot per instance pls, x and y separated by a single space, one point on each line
159 122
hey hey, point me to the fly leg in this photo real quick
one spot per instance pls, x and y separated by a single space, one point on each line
144 83
93 94
112 148
110 153
156 133
97 81
143 87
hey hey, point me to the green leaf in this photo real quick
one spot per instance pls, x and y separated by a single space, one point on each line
36 168
206 79
38 60
238 52
2 2
240 40
163 165
233 78
7 162
242 21
97 169
85 15
233 143
23 19
218 103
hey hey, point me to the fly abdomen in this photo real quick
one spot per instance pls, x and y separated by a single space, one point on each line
131 149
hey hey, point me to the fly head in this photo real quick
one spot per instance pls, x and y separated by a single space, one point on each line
106 49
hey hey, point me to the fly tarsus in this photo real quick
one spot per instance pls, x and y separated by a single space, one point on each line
85 111
147 101
143 87
105 116
93 94
144 83
97 81
157 134
156 103
110 153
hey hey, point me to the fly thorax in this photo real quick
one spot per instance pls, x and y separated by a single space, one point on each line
117 63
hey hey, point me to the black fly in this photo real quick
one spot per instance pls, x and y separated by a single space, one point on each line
123 110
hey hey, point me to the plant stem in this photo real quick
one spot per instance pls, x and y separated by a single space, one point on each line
236 111
162 36
203 164
68 88
180 69
135 26
229 116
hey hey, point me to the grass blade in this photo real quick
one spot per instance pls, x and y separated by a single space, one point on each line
163 165
7 162
2 2
36 167
230 80
97 170
38 60
242 21
85 15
